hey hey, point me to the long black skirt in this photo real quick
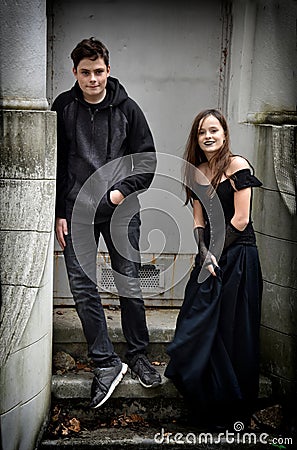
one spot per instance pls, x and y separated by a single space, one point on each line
214 356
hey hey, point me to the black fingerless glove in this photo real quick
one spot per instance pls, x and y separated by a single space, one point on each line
204 253
232 234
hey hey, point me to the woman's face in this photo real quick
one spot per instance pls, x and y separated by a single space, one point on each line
211 135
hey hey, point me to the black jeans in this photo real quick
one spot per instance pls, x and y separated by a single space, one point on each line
82 280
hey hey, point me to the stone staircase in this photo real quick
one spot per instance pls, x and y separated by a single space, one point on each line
134 417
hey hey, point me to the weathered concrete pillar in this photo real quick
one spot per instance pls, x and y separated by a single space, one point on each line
276 224
262 97
26 235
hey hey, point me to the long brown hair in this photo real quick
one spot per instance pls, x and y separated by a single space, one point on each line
194 156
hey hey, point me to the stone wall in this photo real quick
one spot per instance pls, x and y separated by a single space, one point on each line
27 179
276 225
262 117
26 238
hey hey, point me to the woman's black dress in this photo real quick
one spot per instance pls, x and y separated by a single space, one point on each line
214 356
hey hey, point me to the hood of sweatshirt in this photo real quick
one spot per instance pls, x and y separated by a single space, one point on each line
115 94
90 136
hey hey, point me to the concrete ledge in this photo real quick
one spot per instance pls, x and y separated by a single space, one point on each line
168 436
78 385
272 118
67 326
68 336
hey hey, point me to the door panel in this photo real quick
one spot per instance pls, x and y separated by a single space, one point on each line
170 57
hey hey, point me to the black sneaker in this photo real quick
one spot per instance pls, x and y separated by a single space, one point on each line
147 375
104 383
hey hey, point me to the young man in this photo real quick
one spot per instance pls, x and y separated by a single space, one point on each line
105 157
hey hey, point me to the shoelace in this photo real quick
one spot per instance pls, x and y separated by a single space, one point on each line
99 379
145 364
100 383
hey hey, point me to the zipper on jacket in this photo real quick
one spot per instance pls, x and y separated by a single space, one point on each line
108 153
92 113
91 151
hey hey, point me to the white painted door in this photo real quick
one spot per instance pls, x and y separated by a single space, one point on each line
172 58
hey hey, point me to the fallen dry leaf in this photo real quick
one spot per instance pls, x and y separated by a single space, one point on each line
75 425
124 420
83 366
65 430
136 418
56 414
271 417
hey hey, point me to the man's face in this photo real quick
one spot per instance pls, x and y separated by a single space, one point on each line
92 78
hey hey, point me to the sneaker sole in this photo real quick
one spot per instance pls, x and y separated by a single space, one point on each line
113 385
153 385
134 375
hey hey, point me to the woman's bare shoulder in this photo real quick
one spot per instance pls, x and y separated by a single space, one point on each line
238 163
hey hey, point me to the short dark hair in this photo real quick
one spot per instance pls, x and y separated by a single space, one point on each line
89 48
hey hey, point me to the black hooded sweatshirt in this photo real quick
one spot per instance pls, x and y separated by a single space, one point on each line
92 137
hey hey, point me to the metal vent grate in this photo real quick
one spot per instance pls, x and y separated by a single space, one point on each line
150 275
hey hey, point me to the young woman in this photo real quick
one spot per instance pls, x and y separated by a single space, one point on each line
214 356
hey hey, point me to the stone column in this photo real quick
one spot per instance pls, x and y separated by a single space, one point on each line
276 224
262 97
26 235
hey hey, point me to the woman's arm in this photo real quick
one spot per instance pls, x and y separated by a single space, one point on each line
242 198
242 201
199 225
198 214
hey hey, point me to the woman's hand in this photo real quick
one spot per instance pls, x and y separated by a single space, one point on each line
206 258
116 197
211 267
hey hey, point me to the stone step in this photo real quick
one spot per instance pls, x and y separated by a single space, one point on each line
124 423
130 397
162 403
77 386
172 437
68 335
131 431
162 408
